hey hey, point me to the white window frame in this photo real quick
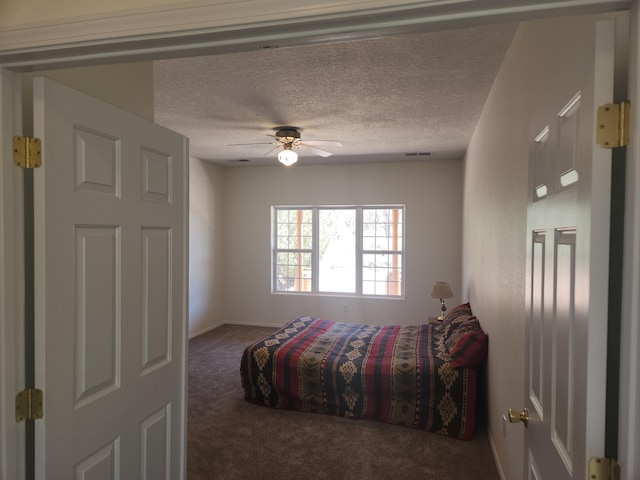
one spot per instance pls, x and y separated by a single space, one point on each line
315 250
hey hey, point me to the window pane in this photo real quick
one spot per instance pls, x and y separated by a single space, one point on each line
382 274
294 272
382 229
337 244
294 229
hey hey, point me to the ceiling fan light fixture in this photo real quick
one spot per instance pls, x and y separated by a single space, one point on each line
287 157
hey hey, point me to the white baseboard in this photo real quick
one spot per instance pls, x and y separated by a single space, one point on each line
204 330
255 324
245 324
495 456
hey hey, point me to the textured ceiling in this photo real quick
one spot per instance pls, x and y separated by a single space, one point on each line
382 98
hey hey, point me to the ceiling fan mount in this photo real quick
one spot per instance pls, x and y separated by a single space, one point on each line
287 134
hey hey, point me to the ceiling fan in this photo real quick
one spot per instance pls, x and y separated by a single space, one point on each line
288 138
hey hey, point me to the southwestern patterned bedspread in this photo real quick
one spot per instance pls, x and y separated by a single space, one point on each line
396 374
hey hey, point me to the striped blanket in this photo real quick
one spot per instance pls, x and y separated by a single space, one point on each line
394 374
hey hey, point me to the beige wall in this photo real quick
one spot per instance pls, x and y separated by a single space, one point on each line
128 86
494 226
206 254
431 192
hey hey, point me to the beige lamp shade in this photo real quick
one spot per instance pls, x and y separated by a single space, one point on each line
441 290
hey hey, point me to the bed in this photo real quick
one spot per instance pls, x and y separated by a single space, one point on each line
420 376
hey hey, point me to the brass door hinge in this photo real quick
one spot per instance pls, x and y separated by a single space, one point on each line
29 405
603 469
613 125
27 152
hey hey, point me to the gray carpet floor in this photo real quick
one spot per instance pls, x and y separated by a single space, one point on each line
229 438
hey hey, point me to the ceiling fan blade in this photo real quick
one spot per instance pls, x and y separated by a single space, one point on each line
333 143
273 150
316 151
254 143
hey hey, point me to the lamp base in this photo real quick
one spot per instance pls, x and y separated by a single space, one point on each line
444 310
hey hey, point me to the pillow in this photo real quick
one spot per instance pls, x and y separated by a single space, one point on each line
458 322
466 342
464 309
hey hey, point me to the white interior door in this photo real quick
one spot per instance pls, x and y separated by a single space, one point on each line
110 319
568 257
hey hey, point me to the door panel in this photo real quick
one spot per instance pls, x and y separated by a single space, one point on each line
98 320
97 162
110 227
536 336
562 368
101 465
156 298
155 434
565 158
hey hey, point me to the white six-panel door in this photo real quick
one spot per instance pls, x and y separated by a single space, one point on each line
110 229
568 256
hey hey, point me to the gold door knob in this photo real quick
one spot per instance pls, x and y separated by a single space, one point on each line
515 416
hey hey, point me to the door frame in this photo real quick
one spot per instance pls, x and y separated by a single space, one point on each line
237 38
12 374
629 403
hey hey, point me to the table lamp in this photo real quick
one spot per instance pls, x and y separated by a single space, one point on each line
442 290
